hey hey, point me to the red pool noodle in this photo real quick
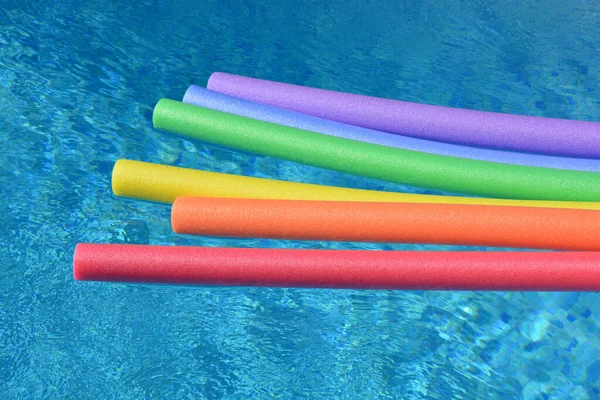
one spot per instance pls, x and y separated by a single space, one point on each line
353 269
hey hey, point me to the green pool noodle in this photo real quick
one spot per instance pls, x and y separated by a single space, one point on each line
480 178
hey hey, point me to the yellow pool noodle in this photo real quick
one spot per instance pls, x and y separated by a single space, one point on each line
163 183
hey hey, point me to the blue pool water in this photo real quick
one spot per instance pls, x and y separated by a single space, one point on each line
78 81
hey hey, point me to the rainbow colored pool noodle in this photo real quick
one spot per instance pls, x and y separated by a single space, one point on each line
243 206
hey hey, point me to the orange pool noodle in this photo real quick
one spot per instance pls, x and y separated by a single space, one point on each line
451 224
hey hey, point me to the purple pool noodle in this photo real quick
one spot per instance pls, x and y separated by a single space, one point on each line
222 102
453 125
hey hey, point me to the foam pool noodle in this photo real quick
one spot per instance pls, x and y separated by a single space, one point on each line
351 269
164 183
425 170
218 101
445 224
523 133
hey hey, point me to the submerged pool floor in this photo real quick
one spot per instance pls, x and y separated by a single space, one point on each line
78 81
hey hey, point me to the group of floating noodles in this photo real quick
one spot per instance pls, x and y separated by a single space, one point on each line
539 179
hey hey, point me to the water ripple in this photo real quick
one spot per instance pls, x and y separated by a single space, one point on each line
78 81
